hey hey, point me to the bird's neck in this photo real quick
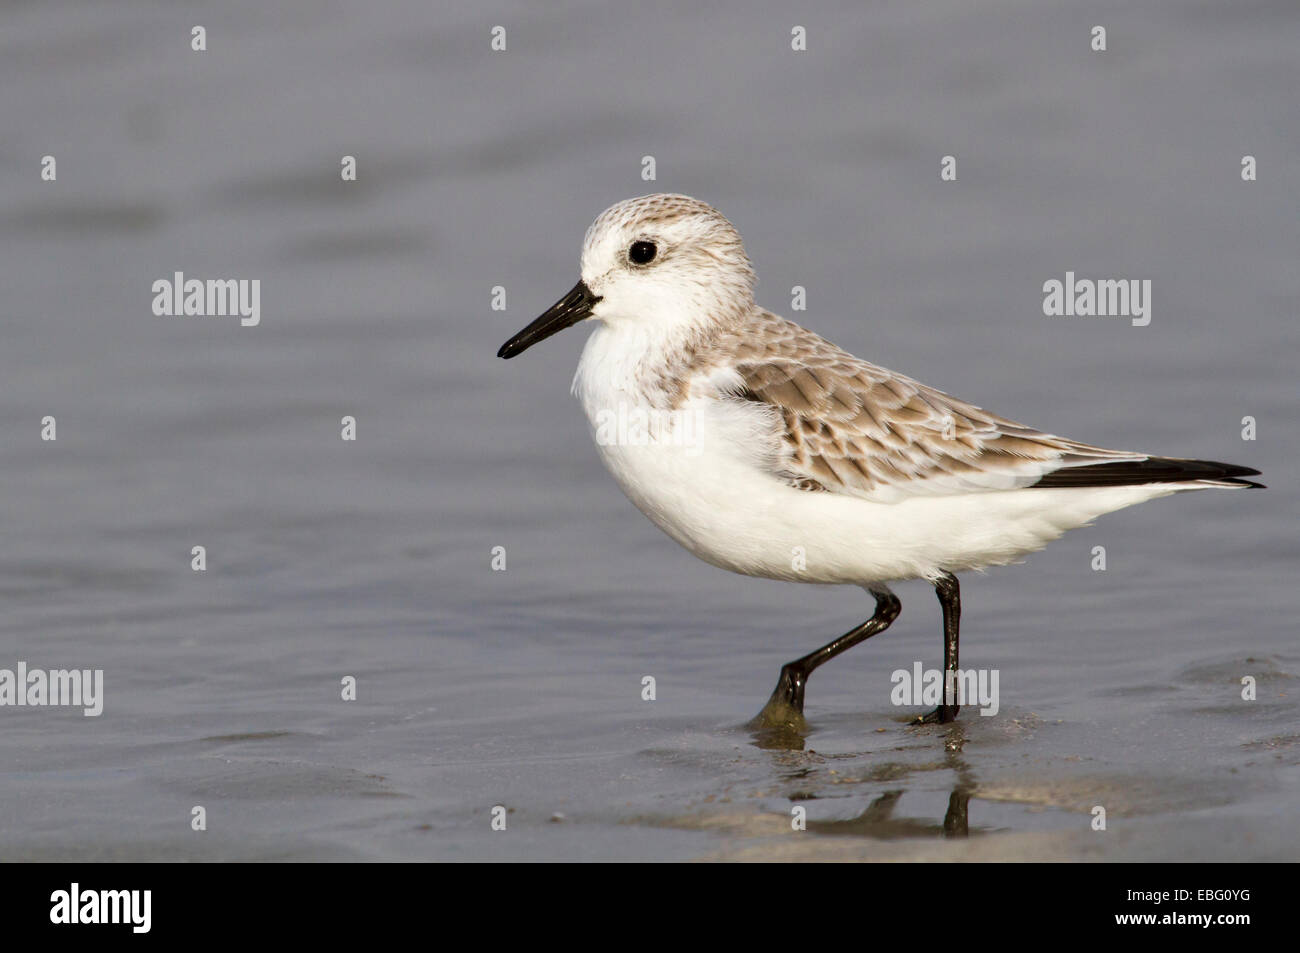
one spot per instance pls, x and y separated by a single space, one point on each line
640 364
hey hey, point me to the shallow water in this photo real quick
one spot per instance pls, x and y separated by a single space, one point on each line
523 688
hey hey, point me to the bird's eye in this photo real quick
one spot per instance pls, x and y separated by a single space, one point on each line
642 253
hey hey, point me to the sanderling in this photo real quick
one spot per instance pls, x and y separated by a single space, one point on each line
806 463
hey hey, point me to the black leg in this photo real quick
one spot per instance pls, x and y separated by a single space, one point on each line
950 598
785 707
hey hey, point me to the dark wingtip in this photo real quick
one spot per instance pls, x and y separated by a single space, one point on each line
1150 470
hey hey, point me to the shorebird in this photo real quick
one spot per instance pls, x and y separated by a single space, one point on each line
766 450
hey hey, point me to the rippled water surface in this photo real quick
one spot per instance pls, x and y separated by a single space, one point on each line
522 688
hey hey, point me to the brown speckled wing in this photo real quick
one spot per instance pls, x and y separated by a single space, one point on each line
852 427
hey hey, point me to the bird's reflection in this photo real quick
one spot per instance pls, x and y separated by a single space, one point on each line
878 820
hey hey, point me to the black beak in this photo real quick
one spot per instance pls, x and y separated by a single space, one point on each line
568 311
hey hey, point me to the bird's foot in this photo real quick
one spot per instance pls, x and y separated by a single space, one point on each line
784 710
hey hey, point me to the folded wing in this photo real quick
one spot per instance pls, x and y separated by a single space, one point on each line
848 426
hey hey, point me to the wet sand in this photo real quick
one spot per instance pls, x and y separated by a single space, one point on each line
522 688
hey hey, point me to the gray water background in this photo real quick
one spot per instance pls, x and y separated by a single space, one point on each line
523 688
